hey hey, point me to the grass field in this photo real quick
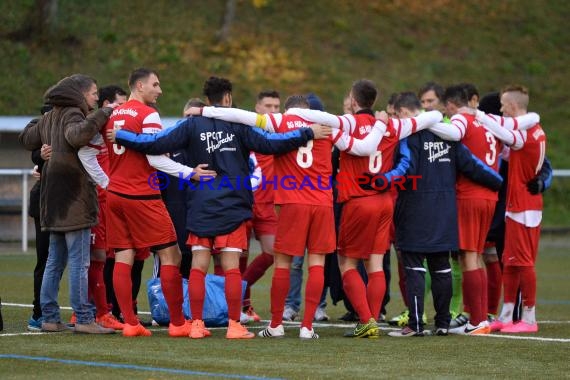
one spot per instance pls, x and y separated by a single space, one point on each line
49 356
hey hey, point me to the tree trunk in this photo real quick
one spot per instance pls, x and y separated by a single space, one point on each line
229 17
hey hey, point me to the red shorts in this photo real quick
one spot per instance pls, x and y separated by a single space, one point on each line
235 239
474 217
135 223
521 244
98 235
302 226
264 219
365 226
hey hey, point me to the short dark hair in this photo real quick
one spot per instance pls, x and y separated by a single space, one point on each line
138 74
456 94
299 101
470 90
408 100
109 93
364 93
83 82
491 103
392 99
432 86
267 94
215 88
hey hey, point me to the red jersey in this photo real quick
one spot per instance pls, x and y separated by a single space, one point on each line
265 193
304 174
524 165
129 171
485 147
352 167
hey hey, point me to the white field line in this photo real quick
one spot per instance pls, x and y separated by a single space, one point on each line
323 325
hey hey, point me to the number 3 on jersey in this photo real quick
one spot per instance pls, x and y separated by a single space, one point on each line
491 156
117 124
305 155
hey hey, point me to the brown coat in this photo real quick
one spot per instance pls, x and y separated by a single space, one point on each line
68 199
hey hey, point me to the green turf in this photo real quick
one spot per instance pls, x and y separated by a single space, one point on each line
329 357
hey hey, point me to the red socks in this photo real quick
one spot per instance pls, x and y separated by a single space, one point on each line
197 292
279 289
375 292
171 283
472 289
123 292
313 292
243 263
494 282
528 286
511 282
255 270
356 292
233 293
97 287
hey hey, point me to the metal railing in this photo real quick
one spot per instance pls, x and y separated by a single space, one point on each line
25 173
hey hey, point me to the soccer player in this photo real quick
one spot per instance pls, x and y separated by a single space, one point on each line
137 217
431 97
523 212
264 220
217 215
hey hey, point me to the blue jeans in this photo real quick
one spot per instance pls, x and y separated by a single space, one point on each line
296 276
74 247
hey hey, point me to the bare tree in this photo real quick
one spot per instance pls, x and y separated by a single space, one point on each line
229 17
41 21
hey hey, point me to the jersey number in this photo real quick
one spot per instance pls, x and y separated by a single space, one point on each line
375 162
491 156
117 124
305 155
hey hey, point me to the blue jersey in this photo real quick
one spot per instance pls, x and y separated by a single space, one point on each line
219 206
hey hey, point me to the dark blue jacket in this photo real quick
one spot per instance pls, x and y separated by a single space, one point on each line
426 216
219 206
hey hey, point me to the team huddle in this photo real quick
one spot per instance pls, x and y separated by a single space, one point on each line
426 176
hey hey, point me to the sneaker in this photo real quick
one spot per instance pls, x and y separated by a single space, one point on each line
272 332
401 319
244 319
382 319
198 329
439 331
481 329
238 331
109 321
137 330
182 331
405 332
289 314
321 315
35 324
459 321
497 325
54 327
363 330
520 327
305 333
349 316
91 328
251 314
73 319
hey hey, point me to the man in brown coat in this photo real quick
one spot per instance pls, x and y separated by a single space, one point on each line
68 201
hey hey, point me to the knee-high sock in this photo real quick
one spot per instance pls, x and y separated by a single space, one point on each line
112 304
279 289
233 293
457 292
255 270
313 292
484 293
528 286
402 282
375 291
472 295
355 290
243 264
123 291
171 282
197 292
494 282
511 281
97 287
